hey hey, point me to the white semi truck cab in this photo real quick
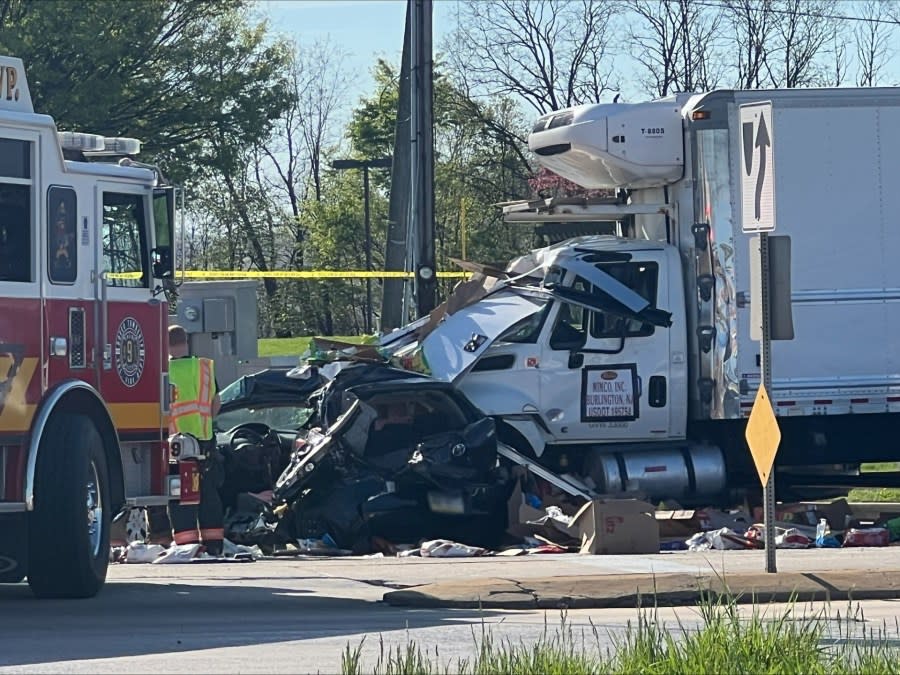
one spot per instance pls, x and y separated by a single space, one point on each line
628 359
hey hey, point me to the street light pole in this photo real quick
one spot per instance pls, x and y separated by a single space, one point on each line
365 165
368 232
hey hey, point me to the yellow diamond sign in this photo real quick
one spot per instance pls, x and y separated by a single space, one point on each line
763 435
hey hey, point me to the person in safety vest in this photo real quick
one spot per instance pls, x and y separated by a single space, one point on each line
194 405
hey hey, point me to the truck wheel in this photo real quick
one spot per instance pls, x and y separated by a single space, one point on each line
68 534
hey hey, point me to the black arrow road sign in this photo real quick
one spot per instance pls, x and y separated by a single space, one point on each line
762 142
747 129
757 171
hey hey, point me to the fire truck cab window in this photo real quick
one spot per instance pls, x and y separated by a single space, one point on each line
15 210
15 158
62 247
125 240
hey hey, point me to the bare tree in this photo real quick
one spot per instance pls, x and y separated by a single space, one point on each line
874 38
782 43
674 41
840 63
296 148
550 54
752 23
322 95
804 27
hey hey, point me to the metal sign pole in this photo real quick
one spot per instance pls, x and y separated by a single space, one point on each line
766 366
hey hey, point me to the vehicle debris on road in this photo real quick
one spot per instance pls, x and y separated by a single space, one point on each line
349 454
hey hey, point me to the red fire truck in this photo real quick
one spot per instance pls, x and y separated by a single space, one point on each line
86 262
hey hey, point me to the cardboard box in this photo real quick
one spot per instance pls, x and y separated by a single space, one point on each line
799 513
526 521
837 514
617 526
687 523
682 523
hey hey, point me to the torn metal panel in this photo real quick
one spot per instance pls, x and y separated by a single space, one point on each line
463 337
597 302
271 387
570 487
603 303
302 465
465 293
606 283
481 268
404 335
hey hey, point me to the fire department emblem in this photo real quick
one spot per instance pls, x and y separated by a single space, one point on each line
129 352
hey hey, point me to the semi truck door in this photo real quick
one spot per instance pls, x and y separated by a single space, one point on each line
605 373
132 322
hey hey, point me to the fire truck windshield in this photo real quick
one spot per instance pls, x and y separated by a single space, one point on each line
125 239
15 210
15 233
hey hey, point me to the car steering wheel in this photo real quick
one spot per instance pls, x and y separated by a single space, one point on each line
252 432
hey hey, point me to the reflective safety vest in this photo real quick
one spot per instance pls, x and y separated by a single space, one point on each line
191 410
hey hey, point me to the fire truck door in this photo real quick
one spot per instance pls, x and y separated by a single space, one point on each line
131 320
67 282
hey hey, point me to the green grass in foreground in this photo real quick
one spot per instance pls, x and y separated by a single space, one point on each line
727 641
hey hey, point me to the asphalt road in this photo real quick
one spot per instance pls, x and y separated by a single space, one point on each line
276 616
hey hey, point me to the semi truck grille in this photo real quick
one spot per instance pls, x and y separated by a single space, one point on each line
76 338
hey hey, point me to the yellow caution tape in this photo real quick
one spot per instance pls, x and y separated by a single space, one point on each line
289 274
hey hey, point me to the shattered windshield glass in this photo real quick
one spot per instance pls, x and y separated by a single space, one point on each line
281 417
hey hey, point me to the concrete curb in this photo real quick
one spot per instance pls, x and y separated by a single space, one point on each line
632 590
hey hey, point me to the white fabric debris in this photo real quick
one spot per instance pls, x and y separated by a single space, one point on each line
139 552
178 553
230 550
441 548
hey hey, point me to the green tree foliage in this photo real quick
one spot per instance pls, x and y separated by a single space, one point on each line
262 207
477 164
181 75
335 241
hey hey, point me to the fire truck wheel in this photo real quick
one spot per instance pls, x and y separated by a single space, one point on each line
69 531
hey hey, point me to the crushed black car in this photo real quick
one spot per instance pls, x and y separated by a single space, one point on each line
372 454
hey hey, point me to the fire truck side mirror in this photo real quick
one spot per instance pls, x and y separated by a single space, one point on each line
162 262
162 256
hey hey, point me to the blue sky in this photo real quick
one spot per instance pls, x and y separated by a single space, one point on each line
366 29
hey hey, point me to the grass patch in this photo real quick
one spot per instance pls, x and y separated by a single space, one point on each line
726 641
282 346
293 346
876 494
876 467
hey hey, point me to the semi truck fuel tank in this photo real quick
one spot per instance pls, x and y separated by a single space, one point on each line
686 472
